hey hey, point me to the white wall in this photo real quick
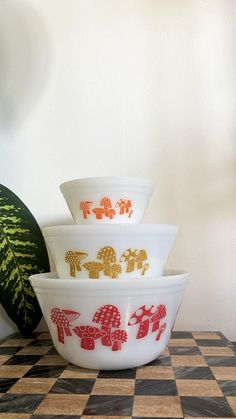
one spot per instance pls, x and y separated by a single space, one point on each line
130 87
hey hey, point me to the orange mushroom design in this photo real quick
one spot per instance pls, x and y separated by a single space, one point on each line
94 268
106 209
74 258
106 204
98 212
85 207
124 205
111 213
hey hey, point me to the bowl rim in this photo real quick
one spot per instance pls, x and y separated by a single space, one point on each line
50 280
114 229
108 181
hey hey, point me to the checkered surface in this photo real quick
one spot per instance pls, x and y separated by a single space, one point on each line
194 377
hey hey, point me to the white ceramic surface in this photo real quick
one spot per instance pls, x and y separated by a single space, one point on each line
107 200
116 251
110 324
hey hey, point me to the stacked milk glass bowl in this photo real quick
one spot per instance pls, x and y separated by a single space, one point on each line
109 306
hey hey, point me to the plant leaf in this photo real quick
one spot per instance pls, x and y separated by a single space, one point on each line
22 253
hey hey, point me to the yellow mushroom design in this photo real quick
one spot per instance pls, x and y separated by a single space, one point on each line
74 258
94 268
108 256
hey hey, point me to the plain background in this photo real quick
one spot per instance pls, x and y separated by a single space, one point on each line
134 88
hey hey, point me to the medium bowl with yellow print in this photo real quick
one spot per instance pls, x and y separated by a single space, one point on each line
110 251
107 200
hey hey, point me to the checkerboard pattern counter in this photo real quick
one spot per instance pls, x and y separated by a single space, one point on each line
194 377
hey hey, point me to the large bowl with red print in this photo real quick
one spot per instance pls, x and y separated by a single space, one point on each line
117 251
107 200
110 324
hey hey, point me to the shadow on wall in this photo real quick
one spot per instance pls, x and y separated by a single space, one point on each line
24 61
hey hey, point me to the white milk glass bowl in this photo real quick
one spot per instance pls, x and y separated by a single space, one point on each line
110 251
110 324
107 200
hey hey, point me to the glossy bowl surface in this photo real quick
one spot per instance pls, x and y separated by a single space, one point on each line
110 324
115 251
107 200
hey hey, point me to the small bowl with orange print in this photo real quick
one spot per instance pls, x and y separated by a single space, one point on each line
107 200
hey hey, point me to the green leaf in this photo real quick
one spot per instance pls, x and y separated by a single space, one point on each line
22 253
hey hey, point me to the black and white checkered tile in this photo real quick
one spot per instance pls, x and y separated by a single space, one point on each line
194 377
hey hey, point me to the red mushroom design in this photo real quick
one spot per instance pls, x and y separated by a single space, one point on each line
85 207
118 337
108 316
161 330
88 335
142 317
156 318
63 319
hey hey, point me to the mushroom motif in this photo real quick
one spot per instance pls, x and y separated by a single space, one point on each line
141 257
130 213
108 256
74 259
108 316
106 204
129 256
118 337
142 317
145 268
156 318
121 204
161 330
115 270
98 212
85 207
94 268
88 335
63 319
111 213
127 206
